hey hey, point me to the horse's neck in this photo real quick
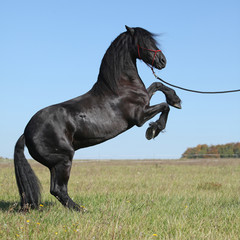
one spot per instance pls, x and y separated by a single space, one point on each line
113 74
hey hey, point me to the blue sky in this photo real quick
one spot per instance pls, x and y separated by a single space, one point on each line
50 51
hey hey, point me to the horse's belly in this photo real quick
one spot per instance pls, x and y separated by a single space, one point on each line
93 131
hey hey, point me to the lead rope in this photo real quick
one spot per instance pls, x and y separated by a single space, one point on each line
190 90
185 89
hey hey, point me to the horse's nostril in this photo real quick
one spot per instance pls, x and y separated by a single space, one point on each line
163 60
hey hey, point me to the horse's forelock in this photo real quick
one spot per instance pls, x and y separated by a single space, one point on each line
146 38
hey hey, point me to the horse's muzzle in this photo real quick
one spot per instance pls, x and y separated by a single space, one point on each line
162 61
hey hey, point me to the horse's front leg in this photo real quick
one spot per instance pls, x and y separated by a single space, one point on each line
155 127
171 96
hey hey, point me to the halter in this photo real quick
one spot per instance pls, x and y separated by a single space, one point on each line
155 53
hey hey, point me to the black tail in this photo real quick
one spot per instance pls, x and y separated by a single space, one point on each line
28 184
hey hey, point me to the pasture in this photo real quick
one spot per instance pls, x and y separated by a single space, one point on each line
198 199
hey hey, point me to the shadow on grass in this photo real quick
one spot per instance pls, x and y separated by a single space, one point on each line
8 206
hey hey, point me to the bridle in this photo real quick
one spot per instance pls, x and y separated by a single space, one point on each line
155 53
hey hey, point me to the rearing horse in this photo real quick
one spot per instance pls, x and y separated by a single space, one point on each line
116 102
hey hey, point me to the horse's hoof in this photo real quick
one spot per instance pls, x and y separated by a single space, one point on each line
152 131
177 105
78 208
83 209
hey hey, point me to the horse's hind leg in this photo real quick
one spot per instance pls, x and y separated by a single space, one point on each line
60 174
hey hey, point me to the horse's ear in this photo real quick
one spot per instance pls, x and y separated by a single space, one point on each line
130 30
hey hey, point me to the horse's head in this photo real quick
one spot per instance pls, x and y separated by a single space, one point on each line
146 47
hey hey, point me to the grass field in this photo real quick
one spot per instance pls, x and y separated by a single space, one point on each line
197 199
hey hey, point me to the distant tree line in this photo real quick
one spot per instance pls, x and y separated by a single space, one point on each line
230 150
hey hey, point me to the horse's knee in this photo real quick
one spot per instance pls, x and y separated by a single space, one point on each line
166 107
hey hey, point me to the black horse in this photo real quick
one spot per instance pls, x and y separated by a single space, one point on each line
116 102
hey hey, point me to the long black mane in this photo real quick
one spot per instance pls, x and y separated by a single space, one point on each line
121 54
